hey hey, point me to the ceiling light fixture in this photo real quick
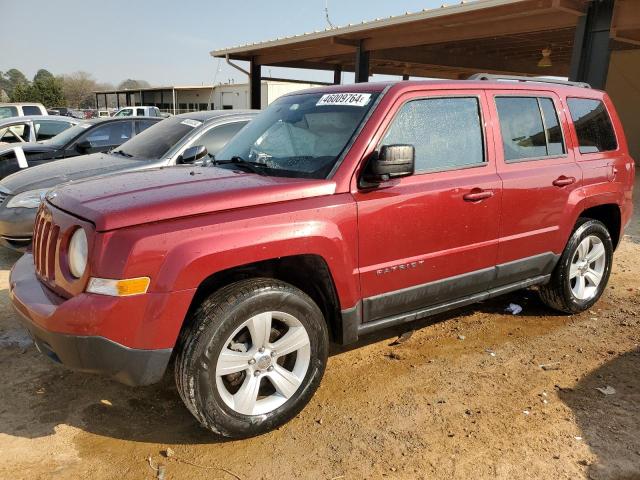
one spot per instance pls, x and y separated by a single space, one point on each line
545 61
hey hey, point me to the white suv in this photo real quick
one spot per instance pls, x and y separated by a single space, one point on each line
21 109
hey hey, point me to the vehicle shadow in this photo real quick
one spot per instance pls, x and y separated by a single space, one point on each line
38 395
610 423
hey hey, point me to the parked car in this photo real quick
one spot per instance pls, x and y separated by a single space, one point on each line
140 111
164 144
89 136
32 128
103 114
66 112
21 109
335 213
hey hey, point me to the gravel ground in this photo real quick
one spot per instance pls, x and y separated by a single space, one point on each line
464 397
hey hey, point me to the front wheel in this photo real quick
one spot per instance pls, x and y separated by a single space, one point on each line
582 273
253 357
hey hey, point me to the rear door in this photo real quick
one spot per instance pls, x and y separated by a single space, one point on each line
431 237
539 175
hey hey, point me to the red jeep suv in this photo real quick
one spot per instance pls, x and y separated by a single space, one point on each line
336 212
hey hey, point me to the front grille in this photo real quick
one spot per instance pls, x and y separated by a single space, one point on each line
45 239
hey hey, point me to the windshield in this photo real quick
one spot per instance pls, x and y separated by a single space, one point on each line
156 141
300 135
69 134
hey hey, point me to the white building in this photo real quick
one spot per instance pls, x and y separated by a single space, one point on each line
180 99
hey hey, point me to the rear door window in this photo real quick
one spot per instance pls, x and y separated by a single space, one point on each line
593 125
113 133
445 132
529 127
140 112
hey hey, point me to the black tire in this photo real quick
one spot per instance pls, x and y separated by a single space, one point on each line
213 322
557 294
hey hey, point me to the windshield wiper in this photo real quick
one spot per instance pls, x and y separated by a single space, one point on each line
123 153
253 167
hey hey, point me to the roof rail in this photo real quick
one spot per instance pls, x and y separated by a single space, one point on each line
518 78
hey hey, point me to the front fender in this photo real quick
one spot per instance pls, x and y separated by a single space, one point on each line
181 254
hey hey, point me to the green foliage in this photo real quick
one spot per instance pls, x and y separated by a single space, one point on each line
10 79
42 75
45 89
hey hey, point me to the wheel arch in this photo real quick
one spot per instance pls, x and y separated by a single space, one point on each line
308 272
610 215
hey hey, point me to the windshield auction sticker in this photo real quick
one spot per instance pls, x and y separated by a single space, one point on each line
349 99
191 123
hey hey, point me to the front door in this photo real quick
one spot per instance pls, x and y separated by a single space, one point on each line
431 237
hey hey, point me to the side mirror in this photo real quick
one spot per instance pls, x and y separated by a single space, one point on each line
393 161
193 154
83 146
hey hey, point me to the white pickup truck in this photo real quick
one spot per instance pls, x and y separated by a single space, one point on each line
140 111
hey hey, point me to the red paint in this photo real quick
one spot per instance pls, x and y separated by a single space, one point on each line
179 228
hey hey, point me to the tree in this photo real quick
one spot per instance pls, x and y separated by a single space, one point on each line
10 79
42 75
133 84
46 90
78 88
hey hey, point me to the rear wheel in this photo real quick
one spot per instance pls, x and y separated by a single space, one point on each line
583 271
253 357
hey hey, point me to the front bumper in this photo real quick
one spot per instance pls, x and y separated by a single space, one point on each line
16 227
86 332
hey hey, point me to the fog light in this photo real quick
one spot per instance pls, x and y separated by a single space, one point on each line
118 288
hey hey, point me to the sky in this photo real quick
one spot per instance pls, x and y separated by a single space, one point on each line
167 41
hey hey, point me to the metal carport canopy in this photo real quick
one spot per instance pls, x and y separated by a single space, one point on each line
499 36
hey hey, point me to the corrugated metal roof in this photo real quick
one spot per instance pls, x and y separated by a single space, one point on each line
407 17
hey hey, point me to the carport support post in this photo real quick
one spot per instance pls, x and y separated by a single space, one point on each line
362 64
591 52
173 99
255 88
337 75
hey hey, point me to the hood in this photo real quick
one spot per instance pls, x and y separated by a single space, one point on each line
67 169
135 198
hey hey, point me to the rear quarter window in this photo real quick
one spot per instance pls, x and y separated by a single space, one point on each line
31 110
593 125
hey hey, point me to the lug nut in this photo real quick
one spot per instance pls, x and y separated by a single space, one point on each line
257 373
270 369
273 353
252 361
261 350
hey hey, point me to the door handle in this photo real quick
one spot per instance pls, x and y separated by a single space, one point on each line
477 195
563 181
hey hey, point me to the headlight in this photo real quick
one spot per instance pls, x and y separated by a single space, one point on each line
78 253
30 199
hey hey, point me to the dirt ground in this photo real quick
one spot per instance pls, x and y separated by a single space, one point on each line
464 398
